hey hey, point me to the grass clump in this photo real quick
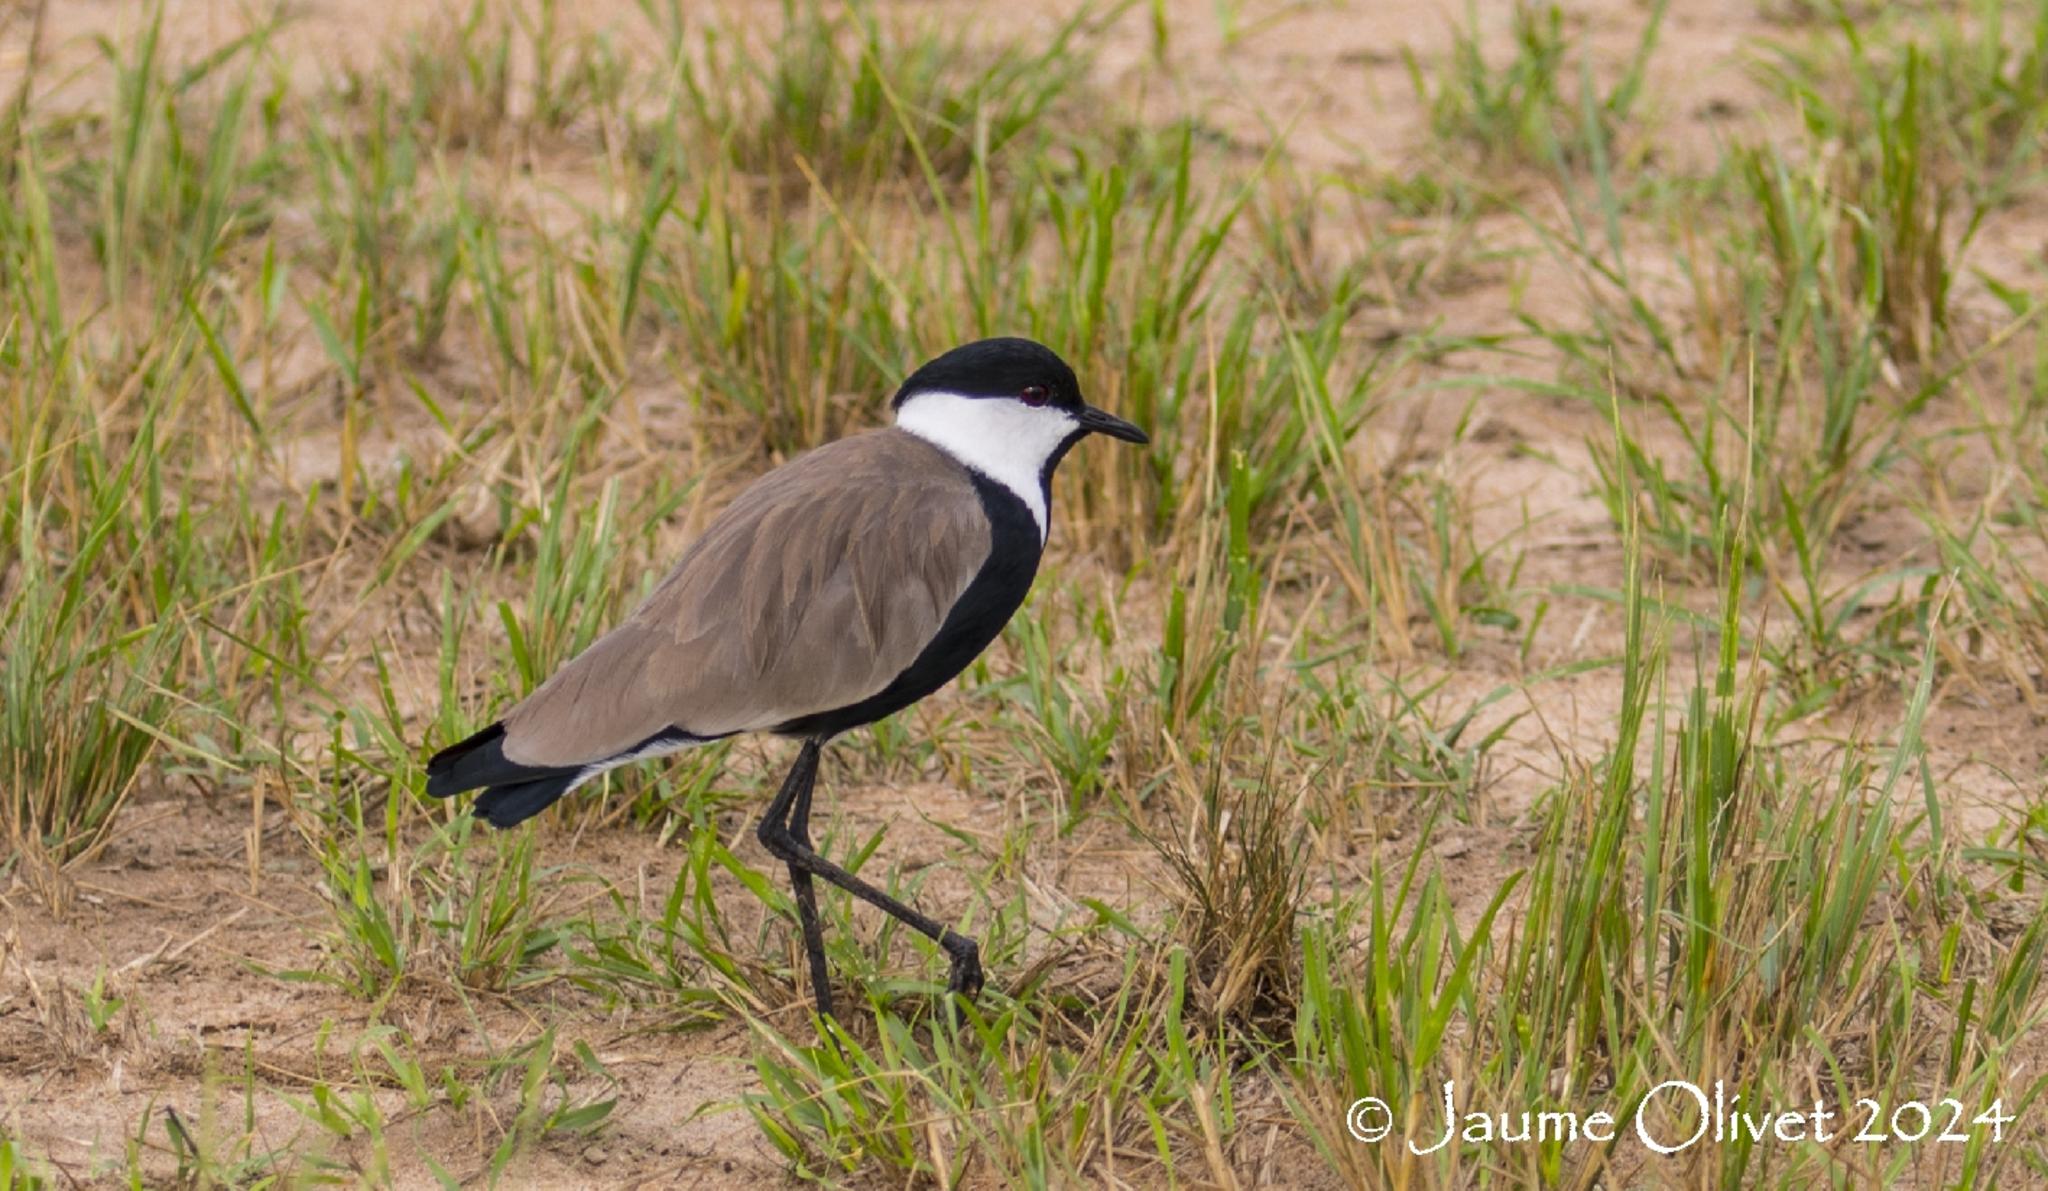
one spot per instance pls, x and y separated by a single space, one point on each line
1535 109
1241 871
1898 184
96 598
859 105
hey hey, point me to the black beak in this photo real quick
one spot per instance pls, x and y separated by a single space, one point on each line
1097 422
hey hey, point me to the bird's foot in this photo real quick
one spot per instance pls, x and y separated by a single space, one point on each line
966 977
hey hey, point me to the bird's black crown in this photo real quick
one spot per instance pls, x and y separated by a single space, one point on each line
1002 367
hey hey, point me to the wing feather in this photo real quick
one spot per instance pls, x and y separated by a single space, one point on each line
815 588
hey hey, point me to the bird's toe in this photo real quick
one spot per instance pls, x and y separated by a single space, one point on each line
966 978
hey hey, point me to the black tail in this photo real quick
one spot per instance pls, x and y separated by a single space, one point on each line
480 761
516 791
502 806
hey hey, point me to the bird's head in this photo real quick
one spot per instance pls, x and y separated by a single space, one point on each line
1003 406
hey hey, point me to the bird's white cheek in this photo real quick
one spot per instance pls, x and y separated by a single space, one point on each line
1007 441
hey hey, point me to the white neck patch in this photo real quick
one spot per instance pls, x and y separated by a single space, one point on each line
1007 441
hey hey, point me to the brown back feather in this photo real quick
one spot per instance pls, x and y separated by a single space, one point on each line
819 584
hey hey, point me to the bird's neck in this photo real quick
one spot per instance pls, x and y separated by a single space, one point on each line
1013 445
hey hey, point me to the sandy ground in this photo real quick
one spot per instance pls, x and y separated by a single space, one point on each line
170 907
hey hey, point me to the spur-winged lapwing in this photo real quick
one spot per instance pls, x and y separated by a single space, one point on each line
837 589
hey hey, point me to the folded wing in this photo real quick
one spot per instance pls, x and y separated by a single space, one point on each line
817 586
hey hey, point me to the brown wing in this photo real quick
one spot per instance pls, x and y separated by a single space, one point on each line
817 586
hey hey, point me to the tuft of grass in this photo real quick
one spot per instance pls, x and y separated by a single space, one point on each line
96 629
454 908
1896 181
1038 1092
1534 109
1242 877
860 105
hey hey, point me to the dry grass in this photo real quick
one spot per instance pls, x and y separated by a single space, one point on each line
1581 623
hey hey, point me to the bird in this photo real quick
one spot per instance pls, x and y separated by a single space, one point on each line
833 591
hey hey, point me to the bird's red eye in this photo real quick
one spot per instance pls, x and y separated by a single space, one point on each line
1035 395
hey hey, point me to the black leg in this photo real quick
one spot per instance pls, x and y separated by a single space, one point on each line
800 881
788 816
784 831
